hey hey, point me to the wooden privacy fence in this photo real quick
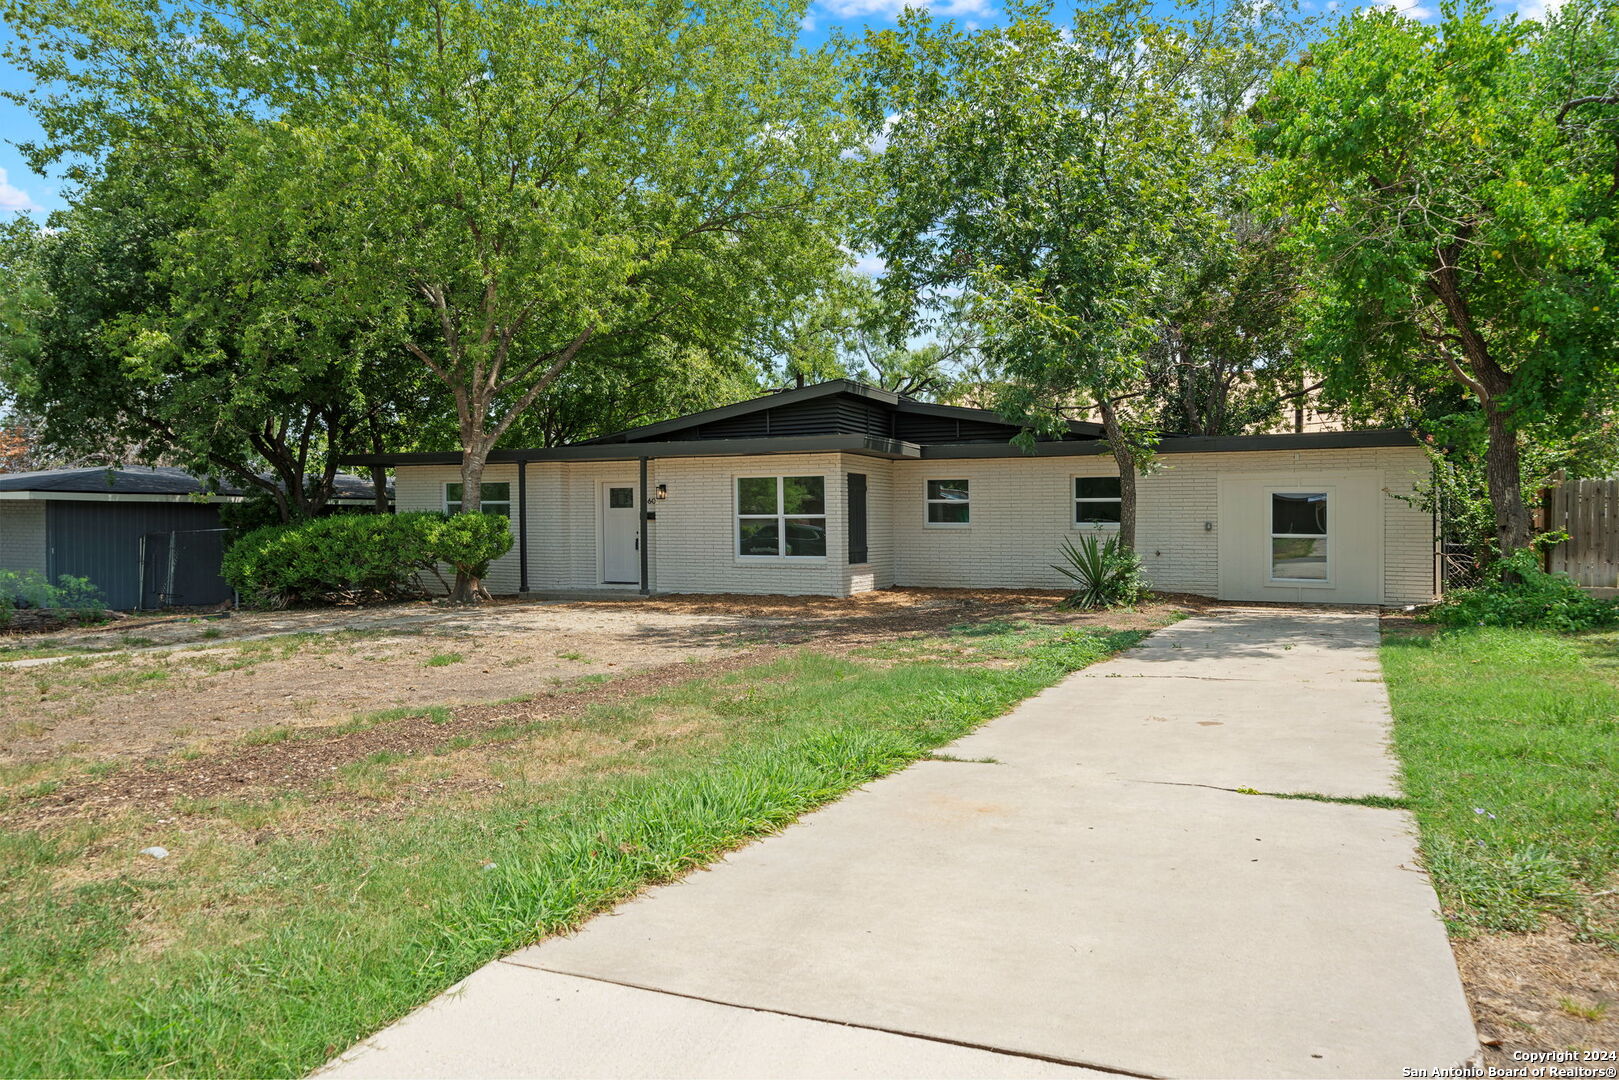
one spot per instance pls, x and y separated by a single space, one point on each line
1588 510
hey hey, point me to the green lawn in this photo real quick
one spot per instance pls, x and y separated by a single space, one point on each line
280 931
1510 744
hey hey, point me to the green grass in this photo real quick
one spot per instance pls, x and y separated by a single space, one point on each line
444 659
1509 740
237 957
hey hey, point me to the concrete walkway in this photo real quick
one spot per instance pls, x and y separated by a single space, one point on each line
1100 897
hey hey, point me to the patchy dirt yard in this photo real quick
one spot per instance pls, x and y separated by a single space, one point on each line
145 688
1545 991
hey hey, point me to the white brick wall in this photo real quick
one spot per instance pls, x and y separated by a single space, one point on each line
695 546
1021 512
22 535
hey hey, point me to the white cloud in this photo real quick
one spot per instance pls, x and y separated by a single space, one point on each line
1537 9
14 199
870 265
889 9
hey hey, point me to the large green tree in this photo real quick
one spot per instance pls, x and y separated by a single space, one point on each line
1055 176
1451 191
123 353
506 186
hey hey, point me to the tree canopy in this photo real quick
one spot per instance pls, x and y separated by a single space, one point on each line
1057 176
1450 190
499 188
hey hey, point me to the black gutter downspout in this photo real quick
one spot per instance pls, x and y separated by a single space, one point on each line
645 589
522 526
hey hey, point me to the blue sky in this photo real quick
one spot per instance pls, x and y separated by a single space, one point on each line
23 190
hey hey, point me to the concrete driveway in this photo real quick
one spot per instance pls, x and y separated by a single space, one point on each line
1099 895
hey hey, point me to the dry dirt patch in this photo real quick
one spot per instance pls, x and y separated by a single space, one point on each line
558 659
148 701
1540 992
311 668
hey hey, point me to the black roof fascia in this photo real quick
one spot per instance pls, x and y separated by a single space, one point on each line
1185 444
868 445
962 412
742 408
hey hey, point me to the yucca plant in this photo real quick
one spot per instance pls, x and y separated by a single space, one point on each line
1106 574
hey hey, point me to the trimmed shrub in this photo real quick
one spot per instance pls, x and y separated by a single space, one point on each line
348 558
1106 573
468 543
1517 592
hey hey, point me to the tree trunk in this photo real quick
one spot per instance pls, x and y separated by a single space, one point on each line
1490 383
1122 455
468 589
379 489
379 474
1503 472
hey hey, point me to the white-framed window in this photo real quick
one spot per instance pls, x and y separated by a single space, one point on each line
1299 543
781 517
1097 501
949 502
496 498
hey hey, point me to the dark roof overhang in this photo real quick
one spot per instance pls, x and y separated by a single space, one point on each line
867 445
752 405
1184 444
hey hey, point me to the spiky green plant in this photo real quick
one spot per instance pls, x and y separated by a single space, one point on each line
1105 573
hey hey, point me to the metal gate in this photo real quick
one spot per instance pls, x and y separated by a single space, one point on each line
181 568
103 540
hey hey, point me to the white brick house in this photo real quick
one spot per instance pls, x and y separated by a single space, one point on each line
839 488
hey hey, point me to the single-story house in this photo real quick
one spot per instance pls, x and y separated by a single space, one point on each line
838 488
146 536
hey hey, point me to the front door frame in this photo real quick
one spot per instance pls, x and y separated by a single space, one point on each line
601 530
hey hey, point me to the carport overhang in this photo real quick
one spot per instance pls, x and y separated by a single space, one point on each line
642 453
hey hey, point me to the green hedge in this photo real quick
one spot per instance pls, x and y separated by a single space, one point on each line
350 557
1517 592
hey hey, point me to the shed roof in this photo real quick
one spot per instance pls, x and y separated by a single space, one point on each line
116 480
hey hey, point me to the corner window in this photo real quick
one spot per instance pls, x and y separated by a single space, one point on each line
781 517
1096 500
949 502
1298 536
496 499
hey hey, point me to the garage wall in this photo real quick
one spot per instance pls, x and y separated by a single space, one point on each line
1021 513
22 535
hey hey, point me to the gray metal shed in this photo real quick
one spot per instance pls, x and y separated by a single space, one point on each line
146 537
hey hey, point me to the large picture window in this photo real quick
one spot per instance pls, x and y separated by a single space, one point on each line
497 498
1096 500
1298 536
781 517
949 502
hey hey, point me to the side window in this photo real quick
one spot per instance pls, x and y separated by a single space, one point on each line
1298 536
496 498
1096 500
949 502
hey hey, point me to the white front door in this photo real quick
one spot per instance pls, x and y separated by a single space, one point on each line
621 535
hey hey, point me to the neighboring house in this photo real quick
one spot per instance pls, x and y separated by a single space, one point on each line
838 488
146 537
